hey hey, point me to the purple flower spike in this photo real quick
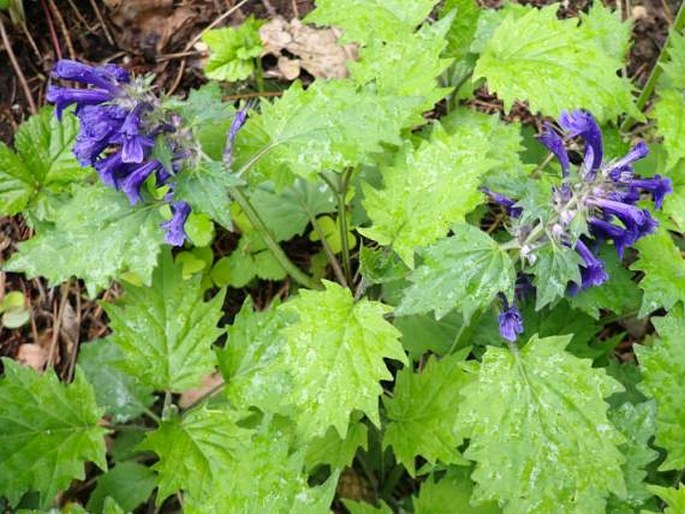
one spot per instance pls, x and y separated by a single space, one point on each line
658 187
133 144
604 230
592 273
510 320
101 77
236 125
617 169
583 124
505 202
555 144
132 183
175 234
629 214
63 97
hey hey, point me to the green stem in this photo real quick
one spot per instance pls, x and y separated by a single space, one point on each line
259 74
340 190
152 416
657 70
339 275
342 216
296 273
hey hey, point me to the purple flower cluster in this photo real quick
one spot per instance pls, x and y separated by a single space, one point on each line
602 195
120 120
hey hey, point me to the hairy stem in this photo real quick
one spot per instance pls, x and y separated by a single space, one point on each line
339 275
296 273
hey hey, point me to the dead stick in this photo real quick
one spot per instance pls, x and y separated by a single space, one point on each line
15 65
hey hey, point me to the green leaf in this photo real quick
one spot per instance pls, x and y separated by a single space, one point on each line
669 113
120 394
48 431
380 265
664 380
356 507
330 125
674 203
408 66
195 451
664 268
422 416
43 164
251 259
166 330
619 294
287 213
128 484
365 21
463 27
499 142
427 190
674 498
264 476
539 431
555 66
555 266
248 361
206 189
232 51
464 271
97 236
605 27
451 494
334 451
637 424
335 353
674 68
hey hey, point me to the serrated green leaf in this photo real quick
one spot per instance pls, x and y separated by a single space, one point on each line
555 266
427 190
464 271
206 189
674 68
637 424
195 451
664 268
43 164
248 360
669 113
264 476
463 27
451 494
121 395
287 213
364 21
422 333
422 416
334 451
539 431
555 66
128 484
605 27
408 66
619 294
232 51
674 203
329 126
97 236
500 143
664 380
251 259
674 498
380 265
335 354
166 330
48 431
